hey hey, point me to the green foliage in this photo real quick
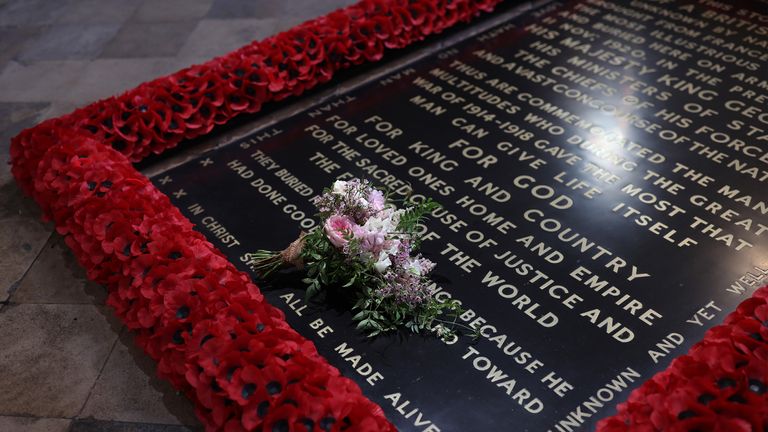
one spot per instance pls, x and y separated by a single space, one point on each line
415 215
378 308
378 314
326 266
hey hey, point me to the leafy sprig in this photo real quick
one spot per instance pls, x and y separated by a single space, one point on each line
381 315
374 261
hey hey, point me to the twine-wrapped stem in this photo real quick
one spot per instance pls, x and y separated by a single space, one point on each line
264 262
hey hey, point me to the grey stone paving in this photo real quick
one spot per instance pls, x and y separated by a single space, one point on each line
66 364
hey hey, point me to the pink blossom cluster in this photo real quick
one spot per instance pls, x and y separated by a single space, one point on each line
405 281
360 223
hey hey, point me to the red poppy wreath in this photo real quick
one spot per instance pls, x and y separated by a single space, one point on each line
208 327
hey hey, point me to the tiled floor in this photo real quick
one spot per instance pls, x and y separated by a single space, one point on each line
66 364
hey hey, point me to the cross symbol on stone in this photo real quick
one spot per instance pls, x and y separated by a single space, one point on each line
205 162
165 180
179 193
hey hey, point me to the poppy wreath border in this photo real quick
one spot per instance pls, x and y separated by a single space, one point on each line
207 325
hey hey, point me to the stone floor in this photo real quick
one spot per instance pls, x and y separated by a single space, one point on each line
66 364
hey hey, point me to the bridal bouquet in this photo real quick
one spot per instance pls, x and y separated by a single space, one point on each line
366 245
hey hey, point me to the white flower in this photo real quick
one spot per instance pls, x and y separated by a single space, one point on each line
393 246
385 222
383 263
340 187
414 266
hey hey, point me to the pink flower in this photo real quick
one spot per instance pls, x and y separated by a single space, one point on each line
376 200
338 227
371 241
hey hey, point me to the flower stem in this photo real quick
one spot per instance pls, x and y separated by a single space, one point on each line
454 323
264 262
